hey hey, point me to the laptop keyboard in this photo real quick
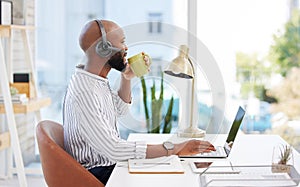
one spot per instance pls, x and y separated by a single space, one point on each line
219 152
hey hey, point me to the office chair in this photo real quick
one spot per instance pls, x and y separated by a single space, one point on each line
59 168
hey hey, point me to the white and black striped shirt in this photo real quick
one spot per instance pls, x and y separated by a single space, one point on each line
90 132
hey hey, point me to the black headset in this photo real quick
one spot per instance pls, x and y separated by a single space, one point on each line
104 48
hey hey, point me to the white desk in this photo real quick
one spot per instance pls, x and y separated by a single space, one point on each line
247 150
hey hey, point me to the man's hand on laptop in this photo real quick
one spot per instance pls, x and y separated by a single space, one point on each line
192 147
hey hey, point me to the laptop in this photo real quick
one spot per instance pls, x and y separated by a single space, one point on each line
223 151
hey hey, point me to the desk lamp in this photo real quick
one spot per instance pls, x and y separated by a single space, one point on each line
182 67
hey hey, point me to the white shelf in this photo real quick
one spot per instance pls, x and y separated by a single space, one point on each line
10 109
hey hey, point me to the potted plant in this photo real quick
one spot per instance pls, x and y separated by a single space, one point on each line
281 157
154 118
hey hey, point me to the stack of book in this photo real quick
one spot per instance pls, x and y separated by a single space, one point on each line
17 98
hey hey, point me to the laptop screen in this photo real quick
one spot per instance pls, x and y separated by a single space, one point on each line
234 129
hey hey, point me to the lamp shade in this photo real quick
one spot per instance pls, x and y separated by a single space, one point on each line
181 66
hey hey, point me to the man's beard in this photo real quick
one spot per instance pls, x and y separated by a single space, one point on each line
117 61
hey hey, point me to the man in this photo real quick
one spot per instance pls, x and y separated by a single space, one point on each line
91 107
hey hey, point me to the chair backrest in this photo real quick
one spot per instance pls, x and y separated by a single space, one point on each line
59 168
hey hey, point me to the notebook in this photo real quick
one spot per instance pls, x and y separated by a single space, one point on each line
161 165
223 151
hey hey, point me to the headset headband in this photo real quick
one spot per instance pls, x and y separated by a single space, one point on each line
104 48
102 29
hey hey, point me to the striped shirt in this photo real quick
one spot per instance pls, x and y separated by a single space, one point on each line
90 110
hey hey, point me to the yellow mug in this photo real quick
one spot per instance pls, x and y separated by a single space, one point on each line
138 65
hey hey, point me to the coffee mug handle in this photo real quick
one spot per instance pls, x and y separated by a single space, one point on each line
150 60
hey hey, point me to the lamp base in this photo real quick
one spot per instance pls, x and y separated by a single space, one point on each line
192 132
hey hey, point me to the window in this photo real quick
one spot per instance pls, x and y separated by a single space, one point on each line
155 20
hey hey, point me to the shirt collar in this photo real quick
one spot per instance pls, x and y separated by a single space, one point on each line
82 71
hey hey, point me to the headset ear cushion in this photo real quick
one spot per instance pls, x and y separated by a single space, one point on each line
104 50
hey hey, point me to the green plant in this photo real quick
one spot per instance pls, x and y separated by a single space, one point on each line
253 73
285 53
168 119
144 88
13 91
156 107
153 124
285 154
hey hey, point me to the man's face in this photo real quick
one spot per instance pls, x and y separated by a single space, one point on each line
117 39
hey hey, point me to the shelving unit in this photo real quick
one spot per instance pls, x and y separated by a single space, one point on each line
10 139
32 106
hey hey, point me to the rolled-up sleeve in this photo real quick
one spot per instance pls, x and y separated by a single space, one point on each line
140 149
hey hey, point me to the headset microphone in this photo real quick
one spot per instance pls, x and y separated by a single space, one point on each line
104 48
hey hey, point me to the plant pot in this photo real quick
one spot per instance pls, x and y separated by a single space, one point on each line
281 168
